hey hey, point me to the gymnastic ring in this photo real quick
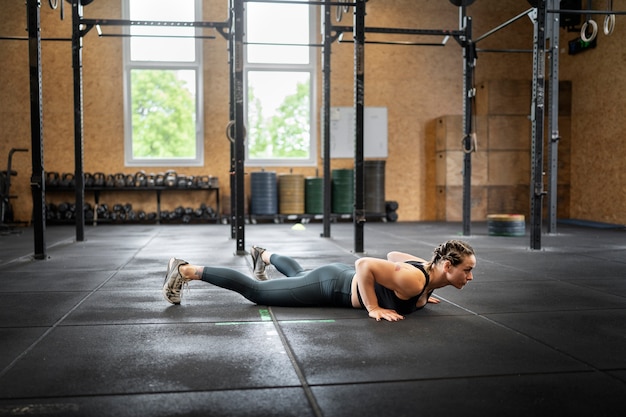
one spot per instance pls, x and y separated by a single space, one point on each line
473 144
230 124
609 24
594 30
341 10
53 4
339 13
229 136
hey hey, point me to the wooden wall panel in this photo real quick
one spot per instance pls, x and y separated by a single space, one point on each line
509 133
509 199
449 209
509 167
503 97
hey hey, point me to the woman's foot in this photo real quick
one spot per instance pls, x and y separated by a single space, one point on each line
258 264
174 281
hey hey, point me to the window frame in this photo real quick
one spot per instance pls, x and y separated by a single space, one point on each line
196 65
311 68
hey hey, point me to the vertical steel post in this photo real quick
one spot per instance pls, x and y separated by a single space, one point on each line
553 114
469 58
77 65
537 117
359 106
37 183
326 117
240 129
231 128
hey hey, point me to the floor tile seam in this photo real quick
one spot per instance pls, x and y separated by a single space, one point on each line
586 254
67 314
556 311
549 346
29 257
186 322
147 393
2 327
534 339
452 378
576 283
245 322
310 396
613 369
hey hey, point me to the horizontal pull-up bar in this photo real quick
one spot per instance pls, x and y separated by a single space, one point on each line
402 31
221 27
402 43
513 51
284 44
620 12
22 38
398 43
127 35
123 22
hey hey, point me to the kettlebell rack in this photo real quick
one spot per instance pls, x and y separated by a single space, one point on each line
101 212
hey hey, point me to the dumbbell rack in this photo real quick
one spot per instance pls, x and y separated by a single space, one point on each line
158 190
308 218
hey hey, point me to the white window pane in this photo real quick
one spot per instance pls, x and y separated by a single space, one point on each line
277 23
278 114
169 47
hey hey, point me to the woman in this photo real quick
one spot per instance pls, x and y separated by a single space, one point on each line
388 289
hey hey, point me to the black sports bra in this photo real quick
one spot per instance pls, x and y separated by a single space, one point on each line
388 299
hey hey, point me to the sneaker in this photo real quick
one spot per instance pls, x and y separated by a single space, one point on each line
174 281
258 264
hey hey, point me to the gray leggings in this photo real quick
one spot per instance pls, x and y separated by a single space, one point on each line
327 285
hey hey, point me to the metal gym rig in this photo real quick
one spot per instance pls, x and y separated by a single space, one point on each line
543 13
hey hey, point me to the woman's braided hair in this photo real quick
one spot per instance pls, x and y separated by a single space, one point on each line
454 251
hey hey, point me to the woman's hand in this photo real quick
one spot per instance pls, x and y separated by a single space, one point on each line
379 313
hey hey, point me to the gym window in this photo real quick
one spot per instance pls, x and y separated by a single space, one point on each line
280 69
162 85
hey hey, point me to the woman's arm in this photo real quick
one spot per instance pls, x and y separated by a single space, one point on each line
403 279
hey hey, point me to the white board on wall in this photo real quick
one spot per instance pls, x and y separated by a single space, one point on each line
342 132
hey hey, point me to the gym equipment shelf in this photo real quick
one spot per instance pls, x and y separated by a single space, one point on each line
308 218
158 190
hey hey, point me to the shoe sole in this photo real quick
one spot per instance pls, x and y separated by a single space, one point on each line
170 265
255 260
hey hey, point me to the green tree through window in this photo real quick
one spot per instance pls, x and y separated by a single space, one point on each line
289 128
163 109
286 132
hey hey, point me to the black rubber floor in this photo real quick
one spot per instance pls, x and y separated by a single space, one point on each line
88 333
